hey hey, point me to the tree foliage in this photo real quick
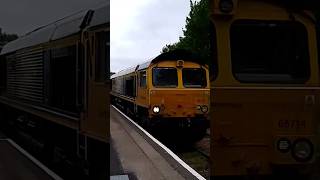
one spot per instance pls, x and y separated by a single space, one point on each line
197 29
196 32
5 38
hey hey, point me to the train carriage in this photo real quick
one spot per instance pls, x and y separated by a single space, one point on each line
54 84
171 89
265 88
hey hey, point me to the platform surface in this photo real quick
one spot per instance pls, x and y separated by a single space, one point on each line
135 155
15 165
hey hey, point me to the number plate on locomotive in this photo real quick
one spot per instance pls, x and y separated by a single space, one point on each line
292 124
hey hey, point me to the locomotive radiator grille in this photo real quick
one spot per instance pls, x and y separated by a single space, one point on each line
25 76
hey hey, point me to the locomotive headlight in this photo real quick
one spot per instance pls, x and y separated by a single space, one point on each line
302 150
156 109
204 108
226 6
283 145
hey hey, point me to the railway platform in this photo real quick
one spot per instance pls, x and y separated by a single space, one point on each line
135 154
17 164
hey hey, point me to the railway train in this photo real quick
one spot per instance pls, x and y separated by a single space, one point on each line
171 89
264 88
54 84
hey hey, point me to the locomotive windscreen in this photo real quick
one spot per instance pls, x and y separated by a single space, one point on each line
194 77
165 77
270 51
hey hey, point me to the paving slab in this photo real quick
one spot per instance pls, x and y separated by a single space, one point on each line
17 164
137 157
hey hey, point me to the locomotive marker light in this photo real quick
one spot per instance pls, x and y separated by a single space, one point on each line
204 108
156 109
226 6
302 150
180 63
284 145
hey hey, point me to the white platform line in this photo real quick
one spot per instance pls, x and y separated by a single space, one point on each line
174 156
119 177
266 87
34 160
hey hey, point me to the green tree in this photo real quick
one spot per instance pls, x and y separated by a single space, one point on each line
196 32
5 38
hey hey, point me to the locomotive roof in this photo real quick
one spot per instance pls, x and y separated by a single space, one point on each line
62 28
178 54
100 16
298 4
174 55
144 65
124 72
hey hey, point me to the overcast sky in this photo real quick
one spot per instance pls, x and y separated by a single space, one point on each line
22 16
140 28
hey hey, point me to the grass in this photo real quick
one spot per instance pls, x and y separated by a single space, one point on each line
197 161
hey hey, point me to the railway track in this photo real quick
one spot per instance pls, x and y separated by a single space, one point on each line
203 146
203 153
198 156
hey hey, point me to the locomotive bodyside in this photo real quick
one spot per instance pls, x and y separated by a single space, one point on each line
52 78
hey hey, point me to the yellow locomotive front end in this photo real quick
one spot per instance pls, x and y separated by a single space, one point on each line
179 94
265 93
170 93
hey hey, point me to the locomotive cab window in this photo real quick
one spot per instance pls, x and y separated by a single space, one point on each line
130 86
165 77
63 78
143 79
194 77
269 51
102 55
